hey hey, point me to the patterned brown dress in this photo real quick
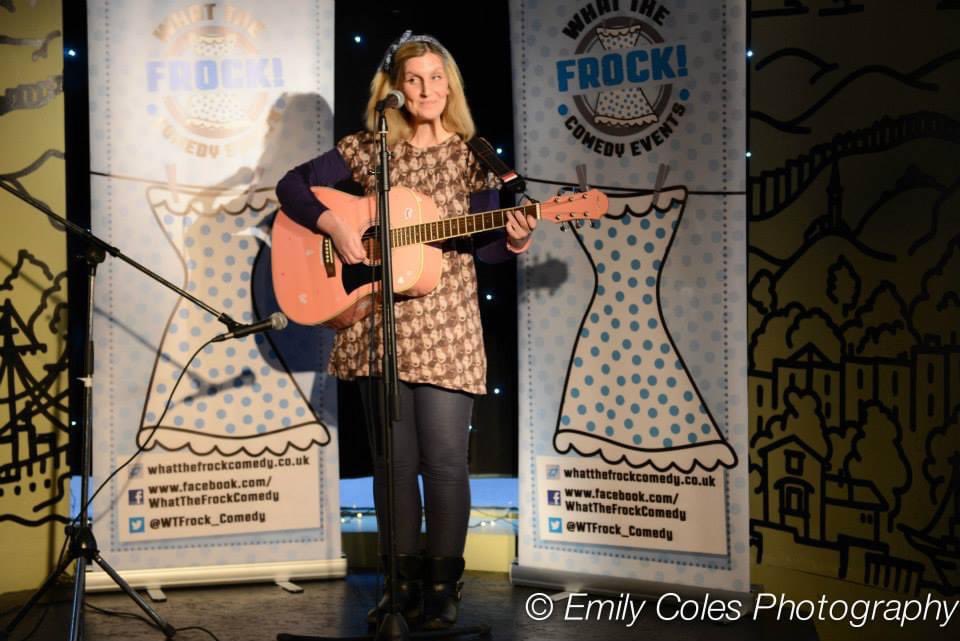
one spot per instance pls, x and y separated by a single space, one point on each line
439 338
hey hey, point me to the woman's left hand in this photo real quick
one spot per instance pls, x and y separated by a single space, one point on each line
519 227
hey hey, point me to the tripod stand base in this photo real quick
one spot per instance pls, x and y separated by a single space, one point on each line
164 627
82 548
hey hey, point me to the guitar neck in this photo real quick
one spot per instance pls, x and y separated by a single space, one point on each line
457 226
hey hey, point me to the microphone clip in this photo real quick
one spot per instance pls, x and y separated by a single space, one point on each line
276 320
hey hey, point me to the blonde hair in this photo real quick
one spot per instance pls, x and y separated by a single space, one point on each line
456 116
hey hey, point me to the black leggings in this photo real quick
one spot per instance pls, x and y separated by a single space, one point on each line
430 439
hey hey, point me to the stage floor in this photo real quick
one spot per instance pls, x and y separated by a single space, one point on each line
338 608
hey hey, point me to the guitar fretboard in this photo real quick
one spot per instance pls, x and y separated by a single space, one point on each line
451 227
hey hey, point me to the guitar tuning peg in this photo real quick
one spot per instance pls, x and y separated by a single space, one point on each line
580 224
595 224
563 227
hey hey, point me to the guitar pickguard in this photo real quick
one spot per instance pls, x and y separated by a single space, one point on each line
356 276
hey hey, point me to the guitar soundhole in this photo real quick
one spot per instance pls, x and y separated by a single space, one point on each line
372 247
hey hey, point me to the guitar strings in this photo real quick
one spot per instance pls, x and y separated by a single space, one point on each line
372 232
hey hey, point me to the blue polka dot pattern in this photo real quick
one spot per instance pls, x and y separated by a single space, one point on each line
215 407
623 333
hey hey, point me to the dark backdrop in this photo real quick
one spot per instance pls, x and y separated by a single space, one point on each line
479 40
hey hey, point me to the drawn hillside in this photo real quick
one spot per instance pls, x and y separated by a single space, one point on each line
853 303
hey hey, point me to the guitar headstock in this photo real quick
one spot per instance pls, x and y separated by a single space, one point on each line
587 205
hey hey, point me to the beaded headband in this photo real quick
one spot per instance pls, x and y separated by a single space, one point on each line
387 63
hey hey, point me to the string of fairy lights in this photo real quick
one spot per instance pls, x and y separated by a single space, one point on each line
489 519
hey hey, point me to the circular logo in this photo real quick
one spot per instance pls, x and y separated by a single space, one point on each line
210 86
629 110
225 99
619 86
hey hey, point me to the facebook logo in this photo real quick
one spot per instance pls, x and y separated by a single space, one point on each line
555 525
137 525
553 471
553 497
135 497
136 470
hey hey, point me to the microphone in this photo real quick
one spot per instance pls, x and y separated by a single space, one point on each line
276 320
393 100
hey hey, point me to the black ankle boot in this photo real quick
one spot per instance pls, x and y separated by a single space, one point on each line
441 595
409 592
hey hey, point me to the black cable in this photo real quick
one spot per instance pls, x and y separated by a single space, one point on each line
631 191
541 181
146 441
134 615
122 614
197 627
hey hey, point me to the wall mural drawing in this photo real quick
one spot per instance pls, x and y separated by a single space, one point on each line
854 235
39 44
33 432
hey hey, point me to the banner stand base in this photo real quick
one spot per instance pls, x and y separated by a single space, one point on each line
594 584
221 574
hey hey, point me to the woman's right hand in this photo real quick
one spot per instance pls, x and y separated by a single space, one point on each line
346 239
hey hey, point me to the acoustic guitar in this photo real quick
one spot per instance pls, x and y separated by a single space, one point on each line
314 287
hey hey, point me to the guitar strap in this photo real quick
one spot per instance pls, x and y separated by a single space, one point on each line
512 181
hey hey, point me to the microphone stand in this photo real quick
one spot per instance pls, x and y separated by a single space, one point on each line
81 544
393 626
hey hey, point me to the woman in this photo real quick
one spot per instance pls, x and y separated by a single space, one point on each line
441 360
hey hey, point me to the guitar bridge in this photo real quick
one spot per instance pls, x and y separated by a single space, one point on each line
327 250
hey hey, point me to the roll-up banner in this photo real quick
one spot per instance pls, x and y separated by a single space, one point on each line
196 111
633 412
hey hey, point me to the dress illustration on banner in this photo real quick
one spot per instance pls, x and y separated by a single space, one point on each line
628 395
627 107
238 395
